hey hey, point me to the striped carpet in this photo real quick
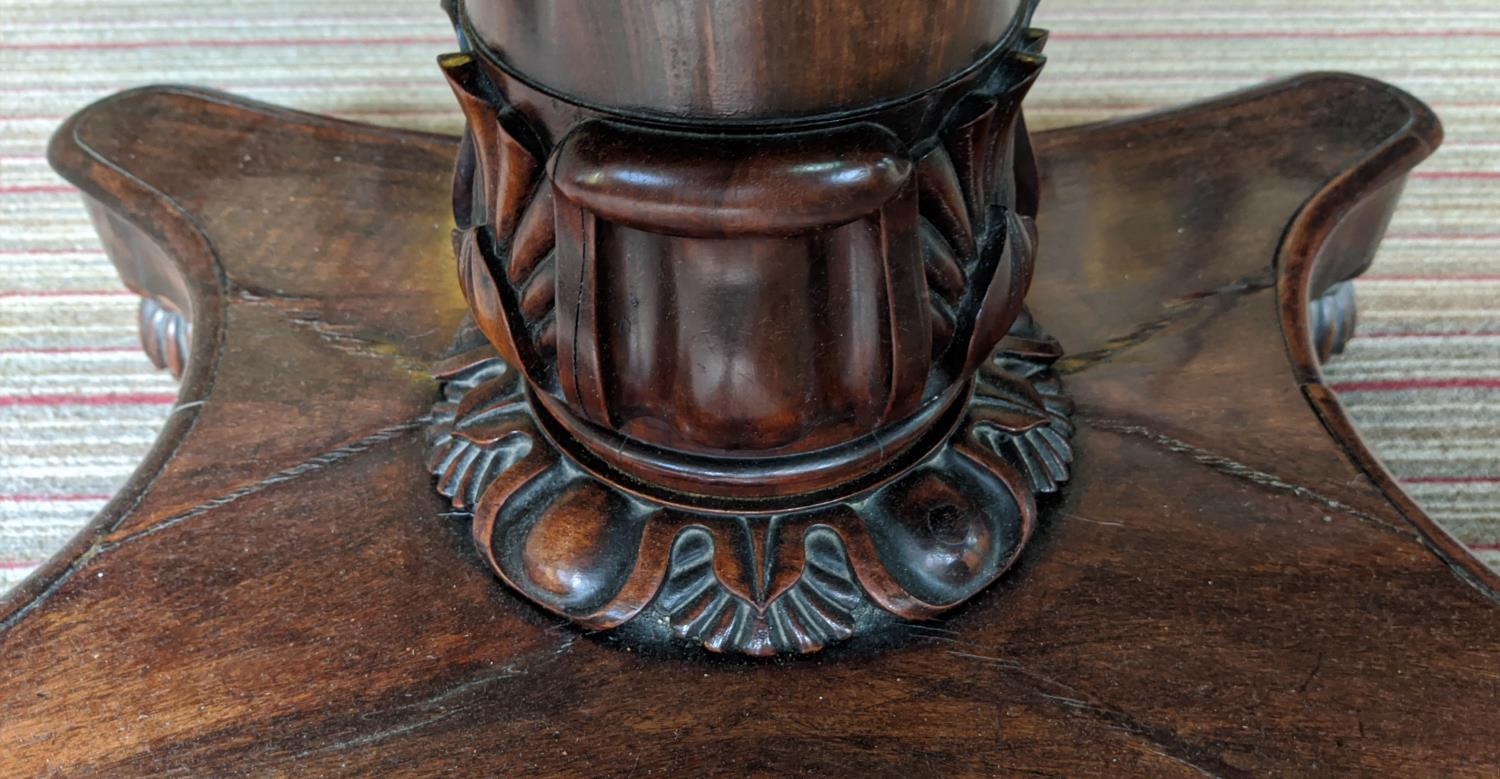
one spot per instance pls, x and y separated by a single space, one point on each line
79 404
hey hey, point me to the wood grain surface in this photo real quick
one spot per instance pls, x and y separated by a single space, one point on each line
1231 585
736 61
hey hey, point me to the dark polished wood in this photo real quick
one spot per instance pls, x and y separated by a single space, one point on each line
763 387
1231 585
739 61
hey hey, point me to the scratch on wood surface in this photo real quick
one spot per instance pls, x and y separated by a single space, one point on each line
1239 470
347 340
1175 311
256 294
375 737
1081 518
310 465
1156 740
1313 674
436 706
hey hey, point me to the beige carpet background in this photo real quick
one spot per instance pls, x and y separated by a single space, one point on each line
80 405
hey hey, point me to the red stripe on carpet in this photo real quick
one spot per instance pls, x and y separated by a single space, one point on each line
1457 175
1415 384
113 399
1481 278
43 189
298 84
335 112
1272 35
215 43
1452 480
75 498
95 252
69 293
1443 237
1454 334
239 22
76 350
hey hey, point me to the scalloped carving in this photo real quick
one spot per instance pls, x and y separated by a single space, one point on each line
1333 318
791 582
166 335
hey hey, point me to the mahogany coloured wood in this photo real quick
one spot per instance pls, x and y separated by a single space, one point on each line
761 388
737 61
1230 586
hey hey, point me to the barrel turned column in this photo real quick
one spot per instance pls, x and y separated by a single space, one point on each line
750 365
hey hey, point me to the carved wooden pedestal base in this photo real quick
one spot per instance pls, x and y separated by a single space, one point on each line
1230 585
944 526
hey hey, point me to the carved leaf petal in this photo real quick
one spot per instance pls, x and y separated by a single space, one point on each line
1041 452
942 201
535 235
698 605
1007 418
944 274
464 468
1007 400
482 295
813 612
819 609
971 146
516 171
539 293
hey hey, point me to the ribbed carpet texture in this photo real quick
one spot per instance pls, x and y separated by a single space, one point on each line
80 405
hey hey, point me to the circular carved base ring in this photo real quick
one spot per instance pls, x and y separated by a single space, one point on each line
788 582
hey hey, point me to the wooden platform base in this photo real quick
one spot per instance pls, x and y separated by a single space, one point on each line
1231 585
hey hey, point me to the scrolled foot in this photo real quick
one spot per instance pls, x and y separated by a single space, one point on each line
165 335
1334 316
164 320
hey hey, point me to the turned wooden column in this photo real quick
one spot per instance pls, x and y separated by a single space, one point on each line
740 60
756 273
